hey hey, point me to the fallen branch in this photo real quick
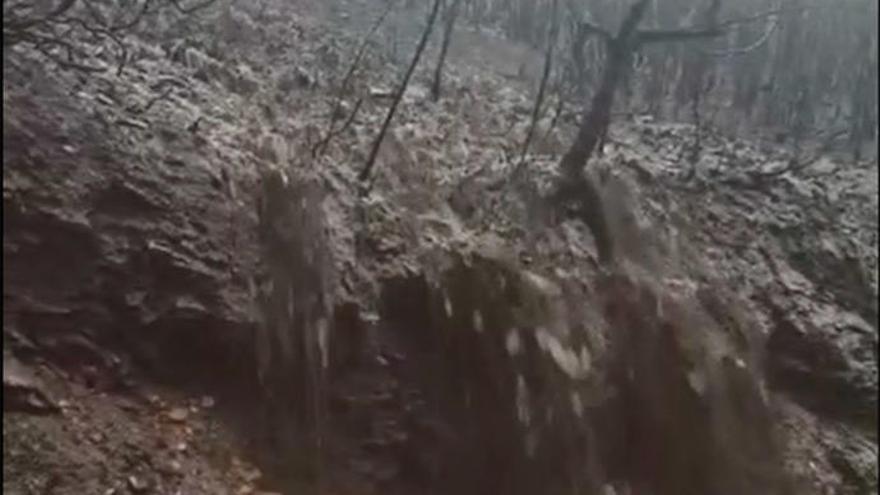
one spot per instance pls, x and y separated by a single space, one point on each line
773 12
152 101
57 29
99 32
189 10
771 27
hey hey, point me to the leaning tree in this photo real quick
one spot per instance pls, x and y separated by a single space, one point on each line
574 187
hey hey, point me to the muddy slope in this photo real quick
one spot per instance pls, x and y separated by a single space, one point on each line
439 337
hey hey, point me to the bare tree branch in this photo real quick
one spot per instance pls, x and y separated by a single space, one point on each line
57 29
539 99
68 64
663 36
654 36
321 146
771 27
774 12
99 32
374 152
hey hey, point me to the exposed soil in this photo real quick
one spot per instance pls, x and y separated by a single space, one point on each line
195 304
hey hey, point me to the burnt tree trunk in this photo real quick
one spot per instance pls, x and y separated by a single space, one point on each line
574 187
597 118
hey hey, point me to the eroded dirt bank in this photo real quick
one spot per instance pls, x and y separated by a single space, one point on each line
194 304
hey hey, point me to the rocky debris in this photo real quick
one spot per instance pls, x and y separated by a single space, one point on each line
178 414
109 444
820 337
126 250
827 359
856 461
121 231
22 391
138 485
531 378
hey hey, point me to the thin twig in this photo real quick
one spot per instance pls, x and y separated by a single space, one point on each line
773 12
321 146
152 101
55 29
25 24
653 35
67 64
99 32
